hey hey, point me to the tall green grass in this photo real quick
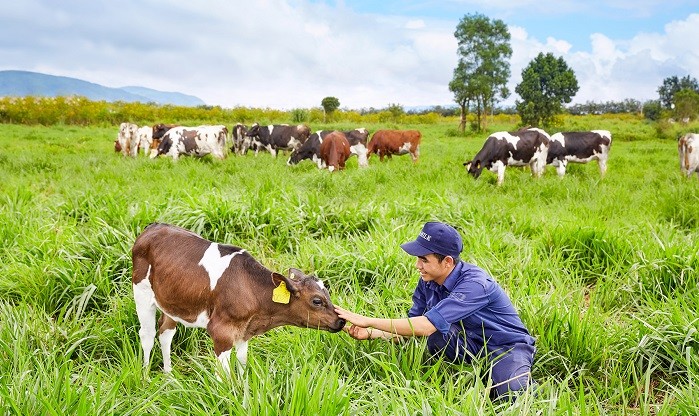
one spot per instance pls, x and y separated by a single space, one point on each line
603 271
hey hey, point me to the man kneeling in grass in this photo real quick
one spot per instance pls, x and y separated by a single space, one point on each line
461 309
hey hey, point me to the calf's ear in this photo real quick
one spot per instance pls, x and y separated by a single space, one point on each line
291 284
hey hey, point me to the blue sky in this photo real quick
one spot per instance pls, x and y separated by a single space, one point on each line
572 21
292 53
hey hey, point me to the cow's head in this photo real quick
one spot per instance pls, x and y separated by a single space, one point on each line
306 151
309 302
254 131
474 168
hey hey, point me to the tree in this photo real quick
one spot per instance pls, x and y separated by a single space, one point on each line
329 104
396 111
483 67
671 85
547 83
686 104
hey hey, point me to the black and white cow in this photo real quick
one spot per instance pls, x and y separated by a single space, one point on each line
194 141
238 139
357 139
310 149
579 147
528 146
277 137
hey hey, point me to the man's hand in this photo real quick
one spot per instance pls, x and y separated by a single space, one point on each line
353 318
357 332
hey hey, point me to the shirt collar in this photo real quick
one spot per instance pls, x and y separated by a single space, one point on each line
451 280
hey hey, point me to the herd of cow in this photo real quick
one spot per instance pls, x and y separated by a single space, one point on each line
327 148
330 149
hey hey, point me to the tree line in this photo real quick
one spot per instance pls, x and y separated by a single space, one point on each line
483 70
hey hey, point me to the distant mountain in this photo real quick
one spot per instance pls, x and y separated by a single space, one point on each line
25 83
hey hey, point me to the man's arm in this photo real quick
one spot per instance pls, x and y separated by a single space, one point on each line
407 327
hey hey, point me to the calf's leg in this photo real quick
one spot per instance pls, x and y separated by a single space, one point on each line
145 309
166 332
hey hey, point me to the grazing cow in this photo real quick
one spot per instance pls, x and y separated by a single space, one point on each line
195 141
159 131
238 139
395 142
688 147
144 138
335 150
277 136
579 147
127 139
222 288
527 146
310 149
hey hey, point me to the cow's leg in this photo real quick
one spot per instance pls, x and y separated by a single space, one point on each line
602 161
166 332
145 309
501 174
415 154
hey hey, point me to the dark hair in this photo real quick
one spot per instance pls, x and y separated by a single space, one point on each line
441 257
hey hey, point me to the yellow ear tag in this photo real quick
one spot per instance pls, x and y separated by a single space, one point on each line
281 294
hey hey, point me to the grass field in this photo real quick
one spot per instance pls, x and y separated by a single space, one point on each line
604 272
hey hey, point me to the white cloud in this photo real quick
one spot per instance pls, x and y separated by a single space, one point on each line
292 53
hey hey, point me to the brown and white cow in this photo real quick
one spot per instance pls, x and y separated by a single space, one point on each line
395 142
688 147
579 147
144 138
127 139
222 288
277 137
159 131
335 150
194 141
528 146
310 149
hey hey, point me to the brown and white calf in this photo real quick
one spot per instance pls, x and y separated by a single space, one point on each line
335 150
222 288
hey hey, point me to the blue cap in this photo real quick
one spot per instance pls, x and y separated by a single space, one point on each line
435 237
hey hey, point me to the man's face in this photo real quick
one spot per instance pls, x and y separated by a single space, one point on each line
432 270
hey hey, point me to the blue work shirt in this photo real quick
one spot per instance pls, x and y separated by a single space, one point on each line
475 302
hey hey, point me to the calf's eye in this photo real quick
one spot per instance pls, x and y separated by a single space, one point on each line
317 302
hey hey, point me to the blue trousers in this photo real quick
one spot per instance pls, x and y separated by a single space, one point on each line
511 369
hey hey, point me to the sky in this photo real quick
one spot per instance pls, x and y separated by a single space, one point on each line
286 54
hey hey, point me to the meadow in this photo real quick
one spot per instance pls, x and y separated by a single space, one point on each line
604 272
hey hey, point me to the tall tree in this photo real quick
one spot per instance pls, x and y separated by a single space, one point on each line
686 104
483 68
329 104
671 85
547 83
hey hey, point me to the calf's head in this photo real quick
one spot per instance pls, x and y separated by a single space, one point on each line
309 304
